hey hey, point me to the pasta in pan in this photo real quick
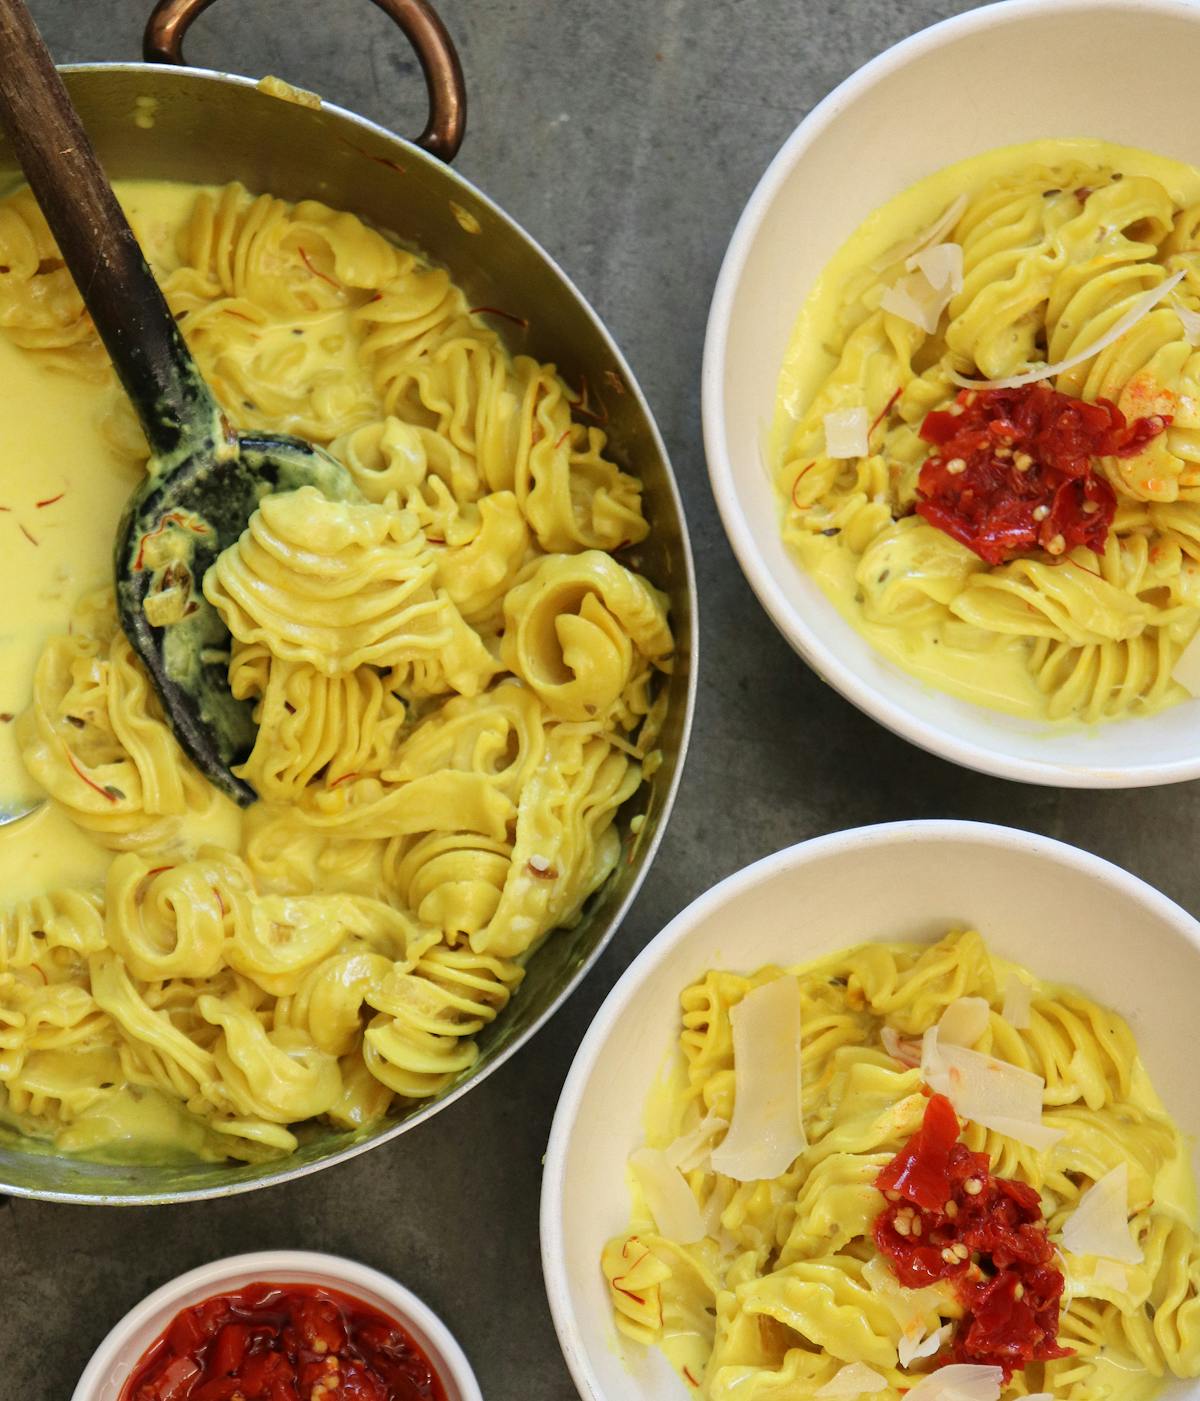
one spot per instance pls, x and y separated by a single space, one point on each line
456 685
827 1271
987 445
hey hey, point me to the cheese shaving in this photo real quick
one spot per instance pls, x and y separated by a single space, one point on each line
691 1150
935 233
1099 1225
1188 319
911 1350
964 1021
961 1381
942 266
856 1379
1142 307
915 299
1018 1002
675 1210
1000 1096
1037 1136
846 433
713 1225
1186 670
767 1132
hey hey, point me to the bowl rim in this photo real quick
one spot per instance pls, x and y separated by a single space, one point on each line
676 933
877 700
286 1170
333 1271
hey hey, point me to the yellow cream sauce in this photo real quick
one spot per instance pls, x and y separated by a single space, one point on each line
991 672
62 488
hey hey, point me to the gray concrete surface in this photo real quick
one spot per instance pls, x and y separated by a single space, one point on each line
626 135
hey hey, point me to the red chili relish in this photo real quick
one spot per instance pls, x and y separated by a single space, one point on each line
283 1342
1013 469
947 1198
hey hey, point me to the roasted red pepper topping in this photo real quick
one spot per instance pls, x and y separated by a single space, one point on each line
275 1342
1013 470
920 1171
948 1217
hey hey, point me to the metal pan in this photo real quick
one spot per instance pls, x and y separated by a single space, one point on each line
160 120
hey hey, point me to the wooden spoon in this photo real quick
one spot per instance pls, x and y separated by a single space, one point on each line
203 480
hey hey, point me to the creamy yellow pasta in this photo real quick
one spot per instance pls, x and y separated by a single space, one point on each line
456 686
779 1287
1022 259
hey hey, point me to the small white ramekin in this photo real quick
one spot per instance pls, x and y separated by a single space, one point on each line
1066 915
995 76
126 1344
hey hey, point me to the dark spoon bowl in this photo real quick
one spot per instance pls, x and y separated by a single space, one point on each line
210 128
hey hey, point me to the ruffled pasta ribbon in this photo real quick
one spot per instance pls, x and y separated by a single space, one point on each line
580 629
338 586
95 739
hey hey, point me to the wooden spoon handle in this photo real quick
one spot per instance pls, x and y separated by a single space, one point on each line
97 244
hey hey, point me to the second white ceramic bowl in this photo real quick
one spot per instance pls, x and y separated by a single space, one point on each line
126 1344
1064 914
1006 73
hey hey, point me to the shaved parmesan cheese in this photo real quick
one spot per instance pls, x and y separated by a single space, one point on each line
691 1150
1142 307
1039 1396
675 1210
1187 667
916 300
992 1092
1188 319
767 1133
934 276
935 233
964 1021
1018 1002
1038 1136
1109 1275
912 1350
856 1379
713 1207
942 266
846 433
1099 1225
961 1381
900 1048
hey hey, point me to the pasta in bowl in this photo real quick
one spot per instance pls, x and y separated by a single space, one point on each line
467 694
824 1274
1026 612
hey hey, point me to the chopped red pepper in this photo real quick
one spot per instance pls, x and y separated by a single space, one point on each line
1013 469
1012 1319
920 1170
948 1217
274 1342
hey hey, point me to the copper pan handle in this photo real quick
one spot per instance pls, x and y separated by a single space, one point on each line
443 134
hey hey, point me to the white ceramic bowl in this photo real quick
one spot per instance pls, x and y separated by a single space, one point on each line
125 1345
1016 71
1061 912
